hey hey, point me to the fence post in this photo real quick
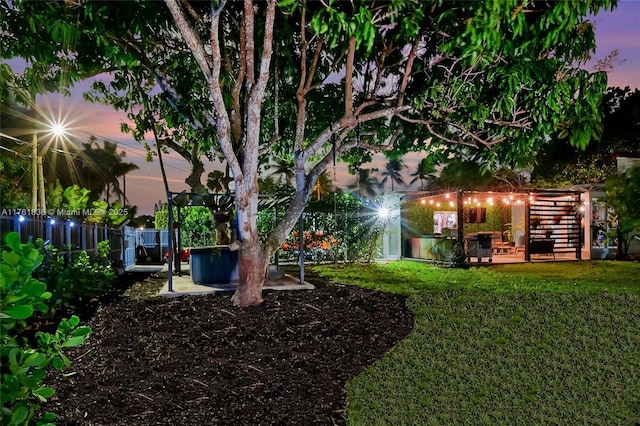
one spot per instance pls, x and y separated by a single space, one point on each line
48 229
67 238
17 222
170 243
83 236
301 244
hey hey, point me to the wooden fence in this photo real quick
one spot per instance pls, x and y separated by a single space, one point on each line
72 237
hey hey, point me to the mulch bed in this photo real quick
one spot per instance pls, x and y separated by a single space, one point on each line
198 360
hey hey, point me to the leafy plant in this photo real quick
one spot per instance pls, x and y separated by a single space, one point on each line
76 198
197 226
318 246
86 276
456 257
623 197
24 367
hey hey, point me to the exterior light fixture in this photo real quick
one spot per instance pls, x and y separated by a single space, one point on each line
58 129
384 212
21 218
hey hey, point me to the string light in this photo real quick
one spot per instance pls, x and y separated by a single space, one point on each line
479 199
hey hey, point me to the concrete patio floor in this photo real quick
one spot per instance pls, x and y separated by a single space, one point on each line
182 285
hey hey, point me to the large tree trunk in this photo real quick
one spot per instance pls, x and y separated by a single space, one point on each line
252 264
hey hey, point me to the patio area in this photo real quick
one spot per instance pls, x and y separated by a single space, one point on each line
183 285
496 227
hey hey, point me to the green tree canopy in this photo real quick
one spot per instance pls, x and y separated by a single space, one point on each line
560 164
318 79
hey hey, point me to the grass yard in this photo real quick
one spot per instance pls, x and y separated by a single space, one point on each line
409 277
544 343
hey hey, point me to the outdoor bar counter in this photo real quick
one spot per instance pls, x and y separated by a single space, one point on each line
431 247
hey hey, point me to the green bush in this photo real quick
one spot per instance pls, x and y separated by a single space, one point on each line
197 226
24 367
85 277
341 228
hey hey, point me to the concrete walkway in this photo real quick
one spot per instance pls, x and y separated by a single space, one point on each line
182 284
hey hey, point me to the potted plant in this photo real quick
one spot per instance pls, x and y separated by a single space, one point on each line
507 234
217 264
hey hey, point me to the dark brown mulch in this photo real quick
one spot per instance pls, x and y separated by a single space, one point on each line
198 360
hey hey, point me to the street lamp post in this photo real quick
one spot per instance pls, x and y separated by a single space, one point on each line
43 202
37 176
57 129
34 172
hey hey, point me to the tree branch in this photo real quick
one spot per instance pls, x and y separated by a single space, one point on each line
190 37
222 121
254 119
300 92
407 71
348 79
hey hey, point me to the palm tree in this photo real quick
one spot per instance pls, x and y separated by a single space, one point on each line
323 185
393 173
102 167
284 169
463 174
121 169
366 183
424 172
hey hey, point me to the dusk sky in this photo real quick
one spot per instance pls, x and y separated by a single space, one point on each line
617 30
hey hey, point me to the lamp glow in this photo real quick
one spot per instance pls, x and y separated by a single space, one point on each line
58 129
384 212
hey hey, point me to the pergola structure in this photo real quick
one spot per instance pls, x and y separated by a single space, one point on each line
532 223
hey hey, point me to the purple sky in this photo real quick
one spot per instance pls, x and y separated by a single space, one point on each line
617 30
620 30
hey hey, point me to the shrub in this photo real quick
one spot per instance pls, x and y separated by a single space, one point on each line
86 276
23 366
196 225
318 246
344 228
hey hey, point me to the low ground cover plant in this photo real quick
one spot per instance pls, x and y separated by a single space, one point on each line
25 361
548 343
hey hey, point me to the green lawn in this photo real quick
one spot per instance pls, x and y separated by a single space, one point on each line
529 344
408 277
